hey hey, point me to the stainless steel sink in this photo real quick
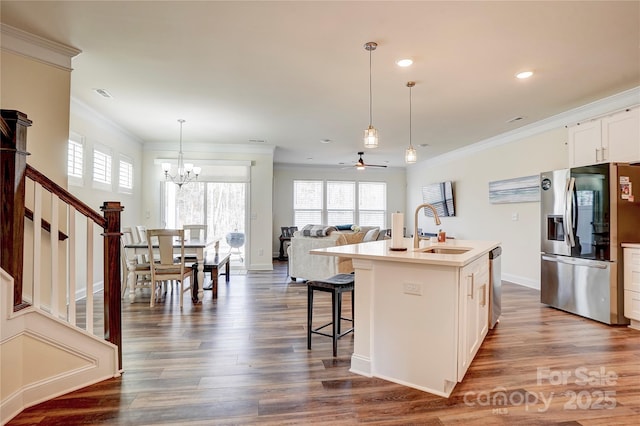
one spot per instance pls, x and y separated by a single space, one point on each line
444 250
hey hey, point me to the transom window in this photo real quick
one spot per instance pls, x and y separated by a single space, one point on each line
320 202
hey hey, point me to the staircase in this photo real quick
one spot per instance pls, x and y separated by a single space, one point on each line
49 344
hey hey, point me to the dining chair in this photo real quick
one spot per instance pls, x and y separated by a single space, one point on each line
141 231
141 270
167 267
196 232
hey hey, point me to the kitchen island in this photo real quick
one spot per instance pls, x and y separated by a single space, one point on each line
420 314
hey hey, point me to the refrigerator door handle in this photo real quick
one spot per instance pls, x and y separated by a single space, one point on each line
571 261
568 216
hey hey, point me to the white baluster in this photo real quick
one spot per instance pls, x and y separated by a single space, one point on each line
71 310
89 309
37 243
53 237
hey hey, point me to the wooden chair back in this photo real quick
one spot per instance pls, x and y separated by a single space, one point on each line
167 267
196 232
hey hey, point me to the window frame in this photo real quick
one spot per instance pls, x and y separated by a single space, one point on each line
325 211
127 160
107 183
73 179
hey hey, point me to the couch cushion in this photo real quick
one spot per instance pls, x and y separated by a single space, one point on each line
353 238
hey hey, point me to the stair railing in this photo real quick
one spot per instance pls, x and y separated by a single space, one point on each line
50 264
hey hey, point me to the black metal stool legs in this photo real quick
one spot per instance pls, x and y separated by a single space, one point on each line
309 315
335 285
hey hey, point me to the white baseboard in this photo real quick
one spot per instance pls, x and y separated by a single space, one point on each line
82 293
523 281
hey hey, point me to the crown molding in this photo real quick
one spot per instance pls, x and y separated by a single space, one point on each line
35 47
627 99
81 110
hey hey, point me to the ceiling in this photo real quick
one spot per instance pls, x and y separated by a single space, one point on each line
295 73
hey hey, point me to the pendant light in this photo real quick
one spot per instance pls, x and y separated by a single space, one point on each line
371 133
410 155
186 171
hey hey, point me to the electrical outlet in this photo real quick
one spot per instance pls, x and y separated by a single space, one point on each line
412 288
514 216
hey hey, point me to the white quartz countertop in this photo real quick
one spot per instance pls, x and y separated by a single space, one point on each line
381 250
631 245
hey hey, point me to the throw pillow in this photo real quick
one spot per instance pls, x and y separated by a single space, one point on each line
344 227
371 235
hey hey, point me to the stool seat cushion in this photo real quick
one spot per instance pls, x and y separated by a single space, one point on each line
335 281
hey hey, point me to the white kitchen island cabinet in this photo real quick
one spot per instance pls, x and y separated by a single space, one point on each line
420 317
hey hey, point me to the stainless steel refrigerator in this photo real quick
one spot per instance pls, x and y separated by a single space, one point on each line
586 212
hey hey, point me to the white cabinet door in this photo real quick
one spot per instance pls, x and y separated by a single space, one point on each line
621 136
585 143
474 311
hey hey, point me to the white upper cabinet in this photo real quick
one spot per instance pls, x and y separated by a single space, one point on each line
614 138
585 143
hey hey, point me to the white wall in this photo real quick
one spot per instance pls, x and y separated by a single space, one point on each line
259 238
476 218
285 174
531 150
97 130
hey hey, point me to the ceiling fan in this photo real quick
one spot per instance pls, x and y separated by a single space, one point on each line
361 165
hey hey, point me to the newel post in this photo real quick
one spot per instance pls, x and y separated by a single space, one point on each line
13 162
112 278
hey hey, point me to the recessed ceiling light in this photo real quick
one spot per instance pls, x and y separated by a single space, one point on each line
524 74
257 140
514 119
325 141
103 93
309 158
423 145
404 62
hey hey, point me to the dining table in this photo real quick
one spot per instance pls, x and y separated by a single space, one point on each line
194 248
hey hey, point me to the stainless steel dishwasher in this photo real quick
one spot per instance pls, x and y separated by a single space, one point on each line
495 301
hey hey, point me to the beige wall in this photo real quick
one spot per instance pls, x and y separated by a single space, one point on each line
285 174
42 92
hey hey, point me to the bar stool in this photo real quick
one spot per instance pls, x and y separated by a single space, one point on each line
335 285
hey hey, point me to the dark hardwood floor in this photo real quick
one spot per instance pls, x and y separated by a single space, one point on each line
243 360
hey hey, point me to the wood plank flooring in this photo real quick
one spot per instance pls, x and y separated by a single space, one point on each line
243 360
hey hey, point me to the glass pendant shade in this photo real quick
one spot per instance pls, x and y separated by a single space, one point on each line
371 133
410 155
371 137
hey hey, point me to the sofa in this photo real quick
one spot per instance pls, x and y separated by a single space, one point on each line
306 266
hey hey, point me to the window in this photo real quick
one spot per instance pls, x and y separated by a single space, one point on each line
74 159
307 202
125 180
339 203
372 207
220 205
101 167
